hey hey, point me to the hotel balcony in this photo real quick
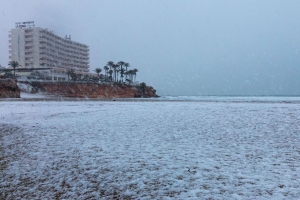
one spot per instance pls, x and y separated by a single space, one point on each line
29 40
28 49
44 62
28 46
42 39
43 50
43 59
29 61
28 53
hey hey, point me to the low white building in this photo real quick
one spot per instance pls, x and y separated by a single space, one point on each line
46 74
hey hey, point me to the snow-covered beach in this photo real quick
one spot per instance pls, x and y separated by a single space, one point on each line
144 150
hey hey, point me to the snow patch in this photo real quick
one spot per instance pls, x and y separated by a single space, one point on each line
146 150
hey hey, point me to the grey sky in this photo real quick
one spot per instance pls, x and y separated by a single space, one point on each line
179 47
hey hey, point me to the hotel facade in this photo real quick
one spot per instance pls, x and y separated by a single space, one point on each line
37 48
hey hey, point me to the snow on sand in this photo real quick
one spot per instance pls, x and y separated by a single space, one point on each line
143 150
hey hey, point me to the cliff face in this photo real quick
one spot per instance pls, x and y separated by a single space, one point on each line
146 93
91 90
9 89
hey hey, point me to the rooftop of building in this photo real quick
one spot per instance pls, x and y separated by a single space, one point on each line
50 32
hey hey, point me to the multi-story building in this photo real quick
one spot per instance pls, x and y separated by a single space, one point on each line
34 47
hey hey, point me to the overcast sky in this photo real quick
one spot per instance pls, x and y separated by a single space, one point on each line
185 47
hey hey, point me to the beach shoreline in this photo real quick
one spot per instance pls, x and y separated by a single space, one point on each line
281 100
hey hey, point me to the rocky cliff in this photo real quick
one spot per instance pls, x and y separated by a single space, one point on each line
93 90
9 89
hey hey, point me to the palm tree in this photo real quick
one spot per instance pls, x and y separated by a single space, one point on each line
143 88
120 64
14 65
115 68
110 64
130 74
110 73
118 70
98 70
126 65
106 70
126 80
134 73
122 72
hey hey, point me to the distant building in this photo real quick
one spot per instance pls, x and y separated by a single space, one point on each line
37 49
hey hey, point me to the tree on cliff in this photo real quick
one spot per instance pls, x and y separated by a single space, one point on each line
115 68
120 70
143 88
14 65
129 79
98 70
126 65
120 64
110 64
134 73
106 70
110 74
129 73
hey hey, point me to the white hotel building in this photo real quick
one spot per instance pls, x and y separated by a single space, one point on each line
40 49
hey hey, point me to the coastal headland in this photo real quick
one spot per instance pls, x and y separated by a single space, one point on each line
94 90
10 89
